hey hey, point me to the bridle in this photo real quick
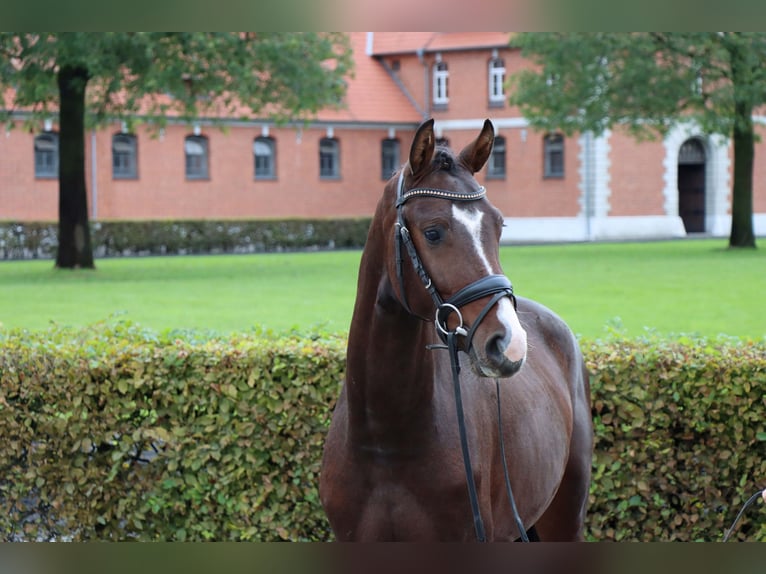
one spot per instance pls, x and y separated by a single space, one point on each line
494 286
498 286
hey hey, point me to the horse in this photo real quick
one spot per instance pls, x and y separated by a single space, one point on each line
430 293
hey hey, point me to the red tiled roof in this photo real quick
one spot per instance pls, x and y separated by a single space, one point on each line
388 43
468 40
372 95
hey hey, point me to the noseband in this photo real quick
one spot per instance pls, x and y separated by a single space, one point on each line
494 286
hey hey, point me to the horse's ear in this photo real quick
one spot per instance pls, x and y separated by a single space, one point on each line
422 148
476 153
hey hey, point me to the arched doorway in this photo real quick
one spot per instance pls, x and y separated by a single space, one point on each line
691 185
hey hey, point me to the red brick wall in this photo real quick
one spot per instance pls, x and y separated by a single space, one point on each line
162 190
22 196
636 176
525 192
759 172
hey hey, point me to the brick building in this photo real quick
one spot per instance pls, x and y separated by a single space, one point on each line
548 186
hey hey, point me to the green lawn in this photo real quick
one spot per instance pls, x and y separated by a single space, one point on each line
694 286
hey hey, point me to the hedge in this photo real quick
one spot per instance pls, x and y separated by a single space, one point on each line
38 240
117 433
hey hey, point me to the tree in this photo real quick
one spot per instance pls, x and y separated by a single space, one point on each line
89 78
647 83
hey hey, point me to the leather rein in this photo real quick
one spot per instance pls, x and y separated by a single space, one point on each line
494 286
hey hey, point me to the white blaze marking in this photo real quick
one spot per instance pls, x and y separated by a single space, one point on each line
517 343
471 220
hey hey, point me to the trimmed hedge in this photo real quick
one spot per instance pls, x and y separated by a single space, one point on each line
116 433
37 240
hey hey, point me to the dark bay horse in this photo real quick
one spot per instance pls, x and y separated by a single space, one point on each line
392 467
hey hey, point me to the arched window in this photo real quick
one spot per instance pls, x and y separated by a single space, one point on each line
496 164
196 151
553 149
441 84
264 153
47 155
124 156
496 82
329 158
389 157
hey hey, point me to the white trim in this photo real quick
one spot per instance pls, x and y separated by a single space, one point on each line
370 43
477 124
492 74
717 163
440 80
566 229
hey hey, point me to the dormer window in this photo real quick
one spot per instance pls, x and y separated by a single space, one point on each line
441 84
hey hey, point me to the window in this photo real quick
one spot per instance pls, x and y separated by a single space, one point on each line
124 154
389 157
329 158
496 166
441 77
496 82
47 155
196 150
265 160
553 145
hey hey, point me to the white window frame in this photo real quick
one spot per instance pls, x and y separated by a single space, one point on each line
497 160
553 145
390 157
46 148
496 81
329 158
125 147
197 146
268 167
440 82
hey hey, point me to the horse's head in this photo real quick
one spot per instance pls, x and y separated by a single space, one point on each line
444 261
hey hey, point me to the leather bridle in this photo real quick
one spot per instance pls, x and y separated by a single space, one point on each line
494 286
497 286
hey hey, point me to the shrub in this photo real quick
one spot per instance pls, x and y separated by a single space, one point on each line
115 433
115 238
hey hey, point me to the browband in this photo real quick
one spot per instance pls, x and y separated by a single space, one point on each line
442 193
402 196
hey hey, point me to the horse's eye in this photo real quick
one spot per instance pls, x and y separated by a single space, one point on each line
433 235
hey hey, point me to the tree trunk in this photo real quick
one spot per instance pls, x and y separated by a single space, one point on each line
742 234
74 248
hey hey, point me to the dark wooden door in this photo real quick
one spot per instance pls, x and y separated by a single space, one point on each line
691 196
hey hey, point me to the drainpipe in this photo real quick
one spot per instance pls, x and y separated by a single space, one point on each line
93 173
588 185
426 84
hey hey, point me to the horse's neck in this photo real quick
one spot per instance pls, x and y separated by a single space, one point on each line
389 378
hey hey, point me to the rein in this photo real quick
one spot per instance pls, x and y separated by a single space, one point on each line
496 286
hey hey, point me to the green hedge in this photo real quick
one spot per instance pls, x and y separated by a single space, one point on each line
116 433
115 238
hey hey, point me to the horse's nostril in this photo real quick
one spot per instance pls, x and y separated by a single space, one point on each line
496 348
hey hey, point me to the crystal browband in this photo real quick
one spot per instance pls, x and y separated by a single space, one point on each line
441 193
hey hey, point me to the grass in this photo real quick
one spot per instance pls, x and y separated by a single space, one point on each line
692 286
